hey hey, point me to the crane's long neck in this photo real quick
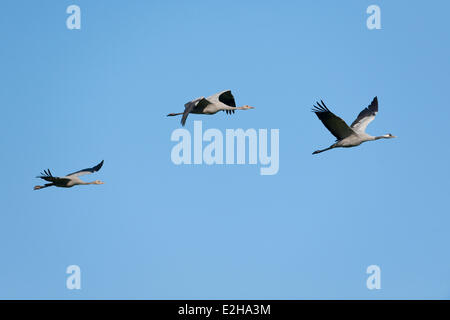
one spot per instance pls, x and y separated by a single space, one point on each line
225 107
386 136
85 183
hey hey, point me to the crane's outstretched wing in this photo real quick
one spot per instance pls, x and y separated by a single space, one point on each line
86 171
227 98
333 123
199 103
47 176
365 117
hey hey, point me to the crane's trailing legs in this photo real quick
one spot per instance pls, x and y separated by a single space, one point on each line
44 186
174 114
319 151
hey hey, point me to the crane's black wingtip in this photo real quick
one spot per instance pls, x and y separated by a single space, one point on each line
374 104
99 166
320 107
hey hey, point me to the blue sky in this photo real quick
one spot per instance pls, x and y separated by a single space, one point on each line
154 230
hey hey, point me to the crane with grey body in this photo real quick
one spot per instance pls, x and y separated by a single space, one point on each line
69 180
348 136
222 101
